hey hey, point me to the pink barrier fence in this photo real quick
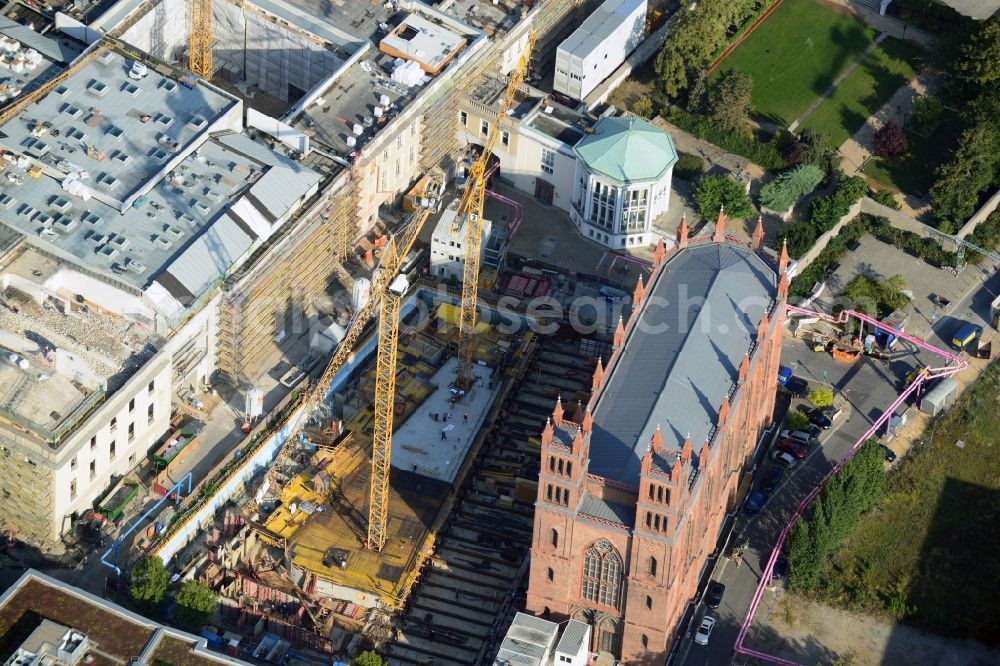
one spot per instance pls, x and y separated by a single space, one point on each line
953 364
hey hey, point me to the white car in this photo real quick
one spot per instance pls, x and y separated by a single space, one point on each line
782 458
705 630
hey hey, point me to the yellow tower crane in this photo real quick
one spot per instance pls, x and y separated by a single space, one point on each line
385 393
471 210
200 39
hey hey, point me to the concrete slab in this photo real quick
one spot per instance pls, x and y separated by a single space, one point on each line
436 448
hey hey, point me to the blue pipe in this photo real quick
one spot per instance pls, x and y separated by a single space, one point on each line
116 546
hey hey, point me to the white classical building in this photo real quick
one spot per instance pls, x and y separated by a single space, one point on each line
622 183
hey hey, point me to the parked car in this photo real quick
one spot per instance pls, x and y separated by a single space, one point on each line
772 479
890 455
780 569
755 502
713 595
965 335
804 437
817 417
783 458
797 449
797 386
705 630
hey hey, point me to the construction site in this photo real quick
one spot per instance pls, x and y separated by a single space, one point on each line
386 496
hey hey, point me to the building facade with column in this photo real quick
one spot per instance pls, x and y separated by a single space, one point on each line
635 486
622 183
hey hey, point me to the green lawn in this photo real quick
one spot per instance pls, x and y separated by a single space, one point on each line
865 90
928 552
913 173
795 55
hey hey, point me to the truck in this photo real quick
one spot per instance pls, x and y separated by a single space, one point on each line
896 321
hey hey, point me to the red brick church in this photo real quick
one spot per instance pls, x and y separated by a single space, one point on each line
634 487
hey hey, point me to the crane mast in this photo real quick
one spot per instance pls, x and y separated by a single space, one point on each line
471 210
200 40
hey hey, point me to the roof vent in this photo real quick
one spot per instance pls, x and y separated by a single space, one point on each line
98 88
163 243
106 179
197 122
115 131
171 230
90 218
65 224
163 119
121 157
60 90
42 218
6 201
106 58
158 154
131 89
168 85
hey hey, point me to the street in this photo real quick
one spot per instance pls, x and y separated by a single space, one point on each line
868 386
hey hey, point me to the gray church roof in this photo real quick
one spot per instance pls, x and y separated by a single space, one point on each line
682 357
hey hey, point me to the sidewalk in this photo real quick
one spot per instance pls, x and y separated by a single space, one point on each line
858 148
836 82
887 24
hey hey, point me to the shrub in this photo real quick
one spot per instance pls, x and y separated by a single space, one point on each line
877 297
689 166
712 192
368 658
759 148
890 141
821 397
643 106
796 421
884 197
789 186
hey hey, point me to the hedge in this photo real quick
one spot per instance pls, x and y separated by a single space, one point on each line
824 213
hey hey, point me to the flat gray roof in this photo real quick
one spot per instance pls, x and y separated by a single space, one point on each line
59 49
682 357
612 512
601 23
119 130
527 641
55 53
484 14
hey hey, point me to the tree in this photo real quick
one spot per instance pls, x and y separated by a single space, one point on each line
149 582
368 658
689 166
711 192
978 62
815 148
821 397
974 168
885 197
890 141
926 113
797 421
196 603
729 100
781 193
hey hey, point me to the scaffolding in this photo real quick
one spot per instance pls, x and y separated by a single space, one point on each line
441 136
200 39
264 293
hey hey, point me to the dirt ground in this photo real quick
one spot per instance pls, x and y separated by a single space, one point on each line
811 633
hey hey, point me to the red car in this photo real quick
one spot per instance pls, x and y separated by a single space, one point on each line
794 448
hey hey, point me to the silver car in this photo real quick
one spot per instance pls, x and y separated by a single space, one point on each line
705 630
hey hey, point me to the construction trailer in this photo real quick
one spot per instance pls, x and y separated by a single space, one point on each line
939 397
599 46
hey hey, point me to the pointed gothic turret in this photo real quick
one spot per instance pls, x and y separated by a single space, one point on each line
578 443
682 233
724 411
660 253
598 376
647 462
762 327
783 287
638 294
744 368
687 449
588 422
703 455
758 233
783 257
619 338
720 226
547 432
578 413
657 441
557 411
